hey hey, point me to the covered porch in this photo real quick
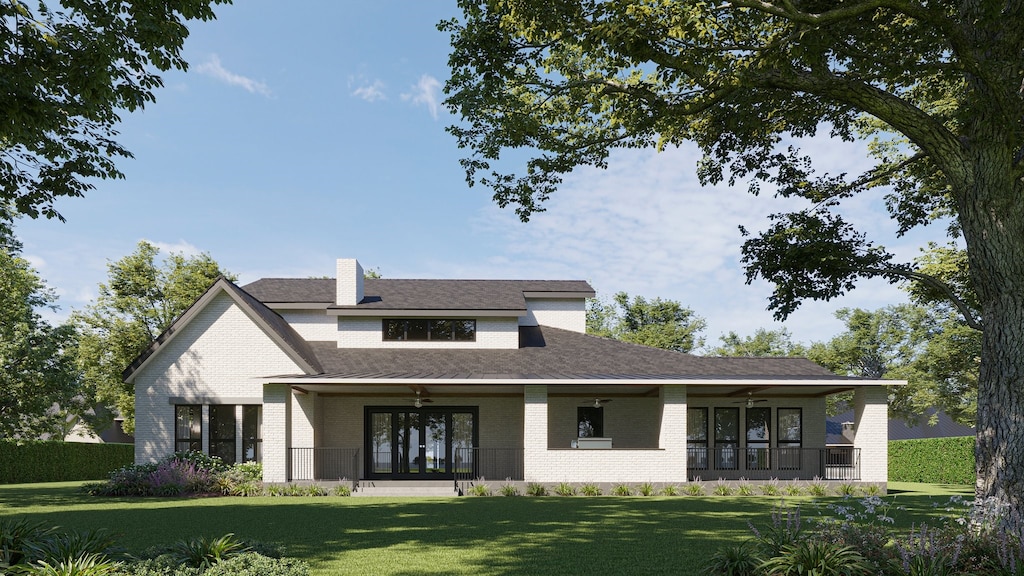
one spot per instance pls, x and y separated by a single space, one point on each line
582 432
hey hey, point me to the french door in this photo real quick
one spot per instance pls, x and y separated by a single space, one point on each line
424 443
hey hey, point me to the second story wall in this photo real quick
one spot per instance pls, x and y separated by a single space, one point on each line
367 332
564 313
312 325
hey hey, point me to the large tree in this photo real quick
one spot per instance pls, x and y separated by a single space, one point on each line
762 343
659 323
143 295
39 385
69 69
935 86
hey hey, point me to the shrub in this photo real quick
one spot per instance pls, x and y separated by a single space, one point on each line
695 488
342 490
722 488
786 528
87 565
250 564
241 479
480 490
590 490
647 489
771 487
745 489
509 490
203 552
932 460
846 489
670 490
37 461
794 489
16 536
815 557
737 560
817 488
565 489
622 490
535 489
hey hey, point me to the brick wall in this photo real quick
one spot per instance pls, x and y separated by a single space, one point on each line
214 359
567 314
360 332
871 432
312 325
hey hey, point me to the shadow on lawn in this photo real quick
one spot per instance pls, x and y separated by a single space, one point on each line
487 536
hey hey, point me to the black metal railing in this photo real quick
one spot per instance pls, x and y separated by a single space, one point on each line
323 464
832 463
488 463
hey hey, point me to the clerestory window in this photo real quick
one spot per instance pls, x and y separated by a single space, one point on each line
424 330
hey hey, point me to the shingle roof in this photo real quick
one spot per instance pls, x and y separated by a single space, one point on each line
398 294
282 332
552 353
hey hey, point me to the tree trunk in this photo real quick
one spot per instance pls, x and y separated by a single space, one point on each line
992 218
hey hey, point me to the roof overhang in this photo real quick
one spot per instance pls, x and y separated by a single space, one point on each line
559 295
426 313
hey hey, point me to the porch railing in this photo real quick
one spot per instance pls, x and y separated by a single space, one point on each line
489 463
323 464
831 463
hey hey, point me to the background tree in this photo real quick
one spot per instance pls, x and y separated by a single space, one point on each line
762 343
659 323
141 298
935 87
70 69
39 384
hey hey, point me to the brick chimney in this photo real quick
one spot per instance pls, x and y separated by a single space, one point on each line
349 283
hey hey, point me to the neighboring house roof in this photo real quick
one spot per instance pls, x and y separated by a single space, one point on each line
944 427
552 353
396 294
269 321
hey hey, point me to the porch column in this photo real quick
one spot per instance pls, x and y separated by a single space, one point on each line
276 431
672 437
871 432
303 417
535 430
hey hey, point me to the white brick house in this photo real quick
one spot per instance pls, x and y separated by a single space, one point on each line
439 379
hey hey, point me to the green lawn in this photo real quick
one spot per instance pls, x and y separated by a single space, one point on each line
487 536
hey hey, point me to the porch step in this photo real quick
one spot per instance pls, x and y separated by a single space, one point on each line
411 488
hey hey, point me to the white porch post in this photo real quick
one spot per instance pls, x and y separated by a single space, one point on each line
672 437
276 431
871 432
535 430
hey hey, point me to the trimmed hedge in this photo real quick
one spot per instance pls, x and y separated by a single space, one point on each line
932 460
38 461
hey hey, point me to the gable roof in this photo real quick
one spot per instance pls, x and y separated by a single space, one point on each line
416 294
944 427
269 321
552 353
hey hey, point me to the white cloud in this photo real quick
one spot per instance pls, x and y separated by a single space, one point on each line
646 226
36 262
180 247
213 68
426 93
371 92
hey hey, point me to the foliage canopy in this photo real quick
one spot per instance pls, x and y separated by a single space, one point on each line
69 71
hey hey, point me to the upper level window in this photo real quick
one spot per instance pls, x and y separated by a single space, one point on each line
422 330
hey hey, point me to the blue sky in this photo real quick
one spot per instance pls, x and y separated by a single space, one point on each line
310 132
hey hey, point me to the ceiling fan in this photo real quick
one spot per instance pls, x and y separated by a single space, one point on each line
597 402
750 401
419 402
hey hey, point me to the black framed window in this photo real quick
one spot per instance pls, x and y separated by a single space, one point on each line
697 438
790 427
222 432
188 428
758 424
252 433
590 421
727 438
422 330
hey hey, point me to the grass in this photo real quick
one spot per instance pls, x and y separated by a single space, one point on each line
486 536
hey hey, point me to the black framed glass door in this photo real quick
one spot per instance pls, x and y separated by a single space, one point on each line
407 443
